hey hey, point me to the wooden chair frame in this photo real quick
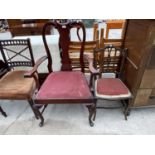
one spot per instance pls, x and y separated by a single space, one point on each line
3 112
3 71
64 41
11 63
108 64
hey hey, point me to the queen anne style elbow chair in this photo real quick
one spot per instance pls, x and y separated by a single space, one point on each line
109 60
65 86
17 55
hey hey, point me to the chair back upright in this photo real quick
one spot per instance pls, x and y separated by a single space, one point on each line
110 59
64 30
3 68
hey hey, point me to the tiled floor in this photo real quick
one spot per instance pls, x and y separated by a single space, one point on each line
73 119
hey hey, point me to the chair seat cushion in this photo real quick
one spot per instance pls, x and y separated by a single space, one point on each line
110 88
13 85
64 85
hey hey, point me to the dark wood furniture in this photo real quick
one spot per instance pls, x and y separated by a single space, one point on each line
65 86
3 71
3 112
3 68
13 85
140 63
109 60
21 27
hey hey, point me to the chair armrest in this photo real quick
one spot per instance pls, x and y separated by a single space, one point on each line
90 61
34 70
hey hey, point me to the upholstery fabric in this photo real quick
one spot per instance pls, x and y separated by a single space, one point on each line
64 85
111 88
13 85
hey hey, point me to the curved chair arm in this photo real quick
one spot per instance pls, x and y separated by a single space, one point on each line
31 73
94 72
90 61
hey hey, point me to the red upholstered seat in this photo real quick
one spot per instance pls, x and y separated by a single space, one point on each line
111 88
64 85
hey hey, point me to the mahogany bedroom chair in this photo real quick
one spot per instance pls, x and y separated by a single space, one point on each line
109 60
65 86
18 57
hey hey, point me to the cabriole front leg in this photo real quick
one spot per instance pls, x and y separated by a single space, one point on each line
31 103
127 110
92 112
39 114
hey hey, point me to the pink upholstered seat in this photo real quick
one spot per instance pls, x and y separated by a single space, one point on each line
111 88
64 85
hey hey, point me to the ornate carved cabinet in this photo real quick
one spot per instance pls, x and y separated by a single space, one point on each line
140 65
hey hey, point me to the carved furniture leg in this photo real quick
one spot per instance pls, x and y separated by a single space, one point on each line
91 81
3 113
95 110
44 108
91 109
39 114
126 109
127 113
31 103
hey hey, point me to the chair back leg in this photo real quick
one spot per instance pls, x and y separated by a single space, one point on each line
31 105
2 111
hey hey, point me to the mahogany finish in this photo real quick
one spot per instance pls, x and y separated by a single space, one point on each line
109 60
3 68
64 42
